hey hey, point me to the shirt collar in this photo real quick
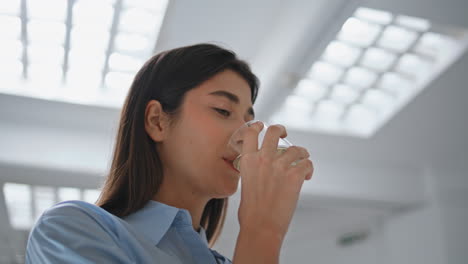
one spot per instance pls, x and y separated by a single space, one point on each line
202 234
155 219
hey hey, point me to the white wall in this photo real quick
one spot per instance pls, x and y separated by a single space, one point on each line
437 232
415 237
452 182
323 249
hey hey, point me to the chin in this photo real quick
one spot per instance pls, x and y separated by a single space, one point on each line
227 189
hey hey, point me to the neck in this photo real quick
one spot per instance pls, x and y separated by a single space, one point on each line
190 201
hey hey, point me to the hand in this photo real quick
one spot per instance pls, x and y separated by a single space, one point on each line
270 185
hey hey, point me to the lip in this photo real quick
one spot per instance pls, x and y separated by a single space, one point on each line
230 165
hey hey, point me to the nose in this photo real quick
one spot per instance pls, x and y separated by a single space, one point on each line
242 122
237 125
236 139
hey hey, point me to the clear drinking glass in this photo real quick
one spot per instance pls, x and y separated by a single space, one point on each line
236 141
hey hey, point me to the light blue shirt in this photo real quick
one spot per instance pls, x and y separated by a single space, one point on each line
80 232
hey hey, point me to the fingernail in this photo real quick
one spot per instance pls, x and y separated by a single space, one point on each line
253 123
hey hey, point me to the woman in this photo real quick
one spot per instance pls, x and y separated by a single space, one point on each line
166 195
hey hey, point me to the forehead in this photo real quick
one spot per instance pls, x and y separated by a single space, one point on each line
228 81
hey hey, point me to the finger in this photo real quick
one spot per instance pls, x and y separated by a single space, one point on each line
309 175
304 169
272 136
251 137
292 154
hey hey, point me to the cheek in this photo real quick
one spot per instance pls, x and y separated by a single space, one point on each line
203 159
207 145
205 132
200 140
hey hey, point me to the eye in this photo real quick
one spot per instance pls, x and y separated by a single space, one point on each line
223 112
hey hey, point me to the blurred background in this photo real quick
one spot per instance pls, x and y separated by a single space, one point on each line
376 91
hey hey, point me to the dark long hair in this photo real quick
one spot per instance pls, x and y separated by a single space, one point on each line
136 172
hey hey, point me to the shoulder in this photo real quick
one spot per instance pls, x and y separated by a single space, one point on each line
76 209
72 216
78 231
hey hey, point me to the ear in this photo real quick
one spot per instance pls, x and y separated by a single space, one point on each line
156 121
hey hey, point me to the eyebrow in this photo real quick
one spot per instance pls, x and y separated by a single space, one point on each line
233 98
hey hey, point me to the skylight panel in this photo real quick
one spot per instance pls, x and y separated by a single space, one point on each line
11 50
360 118
378 62
86 43
92 14
47 32
47 55
359 32
118 82
396 84
136 20
120 62
414 23
18 199
344 94
360 77
131 43
83 73
44 198
433 44
330 110
374 16
11 65
295 110
14 68
68 194
11 7
25 203
81 58
397 39
91 195
378 59
378 100
299 104
43 9
153 6
10 27
341 54
413 65
325 73
47 76
77 51
12 71
311 90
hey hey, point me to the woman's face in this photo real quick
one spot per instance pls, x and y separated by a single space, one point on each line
193 151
